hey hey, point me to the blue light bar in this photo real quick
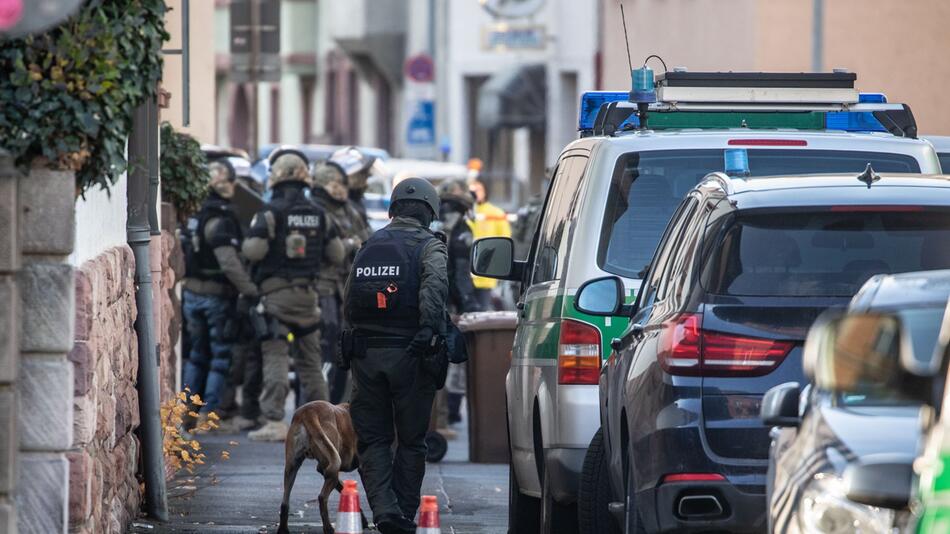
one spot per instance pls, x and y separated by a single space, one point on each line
853 121
872 98
590 105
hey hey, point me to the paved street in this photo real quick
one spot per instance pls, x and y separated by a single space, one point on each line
242 494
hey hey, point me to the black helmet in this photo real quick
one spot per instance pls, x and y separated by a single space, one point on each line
416 189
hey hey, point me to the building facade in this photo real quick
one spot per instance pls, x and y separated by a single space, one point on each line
890 45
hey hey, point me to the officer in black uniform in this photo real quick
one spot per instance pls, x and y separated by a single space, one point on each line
288 241
214 277
395 299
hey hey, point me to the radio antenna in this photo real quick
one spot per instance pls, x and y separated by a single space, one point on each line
626 39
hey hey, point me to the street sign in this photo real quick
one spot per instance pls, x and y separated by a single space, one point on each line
419 68
421 127
248 64
502 37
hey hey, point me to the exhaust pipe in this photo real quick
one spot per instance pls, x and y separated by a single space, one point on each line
699 506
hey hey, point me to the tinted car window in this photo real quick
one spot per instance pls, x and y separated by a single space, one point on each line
647 186
558 219
944 158
824 253
665 251
922 326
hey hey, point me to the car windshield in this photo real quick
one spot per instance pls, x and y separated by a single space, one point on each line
827 253
922 327
647 187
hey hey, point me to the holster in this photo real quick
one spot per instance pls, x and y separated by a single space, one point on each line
265 327
435 362
352 347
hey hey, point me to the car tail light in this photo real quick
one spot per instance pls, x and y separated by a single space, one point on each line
693 477
578 359
688 350
679 350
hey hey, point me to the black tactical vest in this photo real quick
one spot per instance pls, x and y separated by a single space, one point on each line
299 236
200 261
384 290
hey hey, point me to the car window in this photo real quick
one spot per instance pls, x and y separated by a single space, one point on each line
660 271
681 263
824 253
557 222
944 158
647 186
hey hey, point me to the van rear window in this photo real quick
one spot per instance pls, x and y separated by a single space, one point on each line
824 253
647 187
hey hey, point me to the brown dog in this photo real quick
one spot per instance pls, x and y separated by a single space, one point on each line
323 432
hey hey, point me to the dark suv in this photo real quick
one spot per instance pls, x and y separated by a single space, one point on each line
744 268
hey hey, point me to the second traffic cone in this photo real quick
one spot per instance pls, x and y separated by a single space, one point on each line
348 517
429 516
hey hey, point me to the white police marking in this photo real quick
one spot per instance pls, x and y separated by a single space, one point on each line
377 270
303 221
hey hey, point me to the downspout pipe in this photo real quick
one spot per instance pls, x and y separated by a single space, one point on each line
138 230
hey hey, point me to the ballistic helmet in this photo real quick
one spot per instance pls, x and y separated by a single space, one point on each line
456 190
287 165
416 189
332 180
221 177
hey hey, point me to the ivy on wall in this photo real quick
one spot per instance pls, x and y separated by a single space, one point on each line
67 95
184 171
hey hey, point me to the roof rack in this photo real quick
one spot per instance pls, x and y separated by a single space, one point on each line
724 180
822 101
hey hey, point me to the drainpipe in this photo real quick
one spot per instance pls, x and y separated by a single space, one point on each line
143 149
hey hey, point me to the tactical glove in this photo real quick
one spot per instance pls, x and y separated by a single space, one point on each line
420 342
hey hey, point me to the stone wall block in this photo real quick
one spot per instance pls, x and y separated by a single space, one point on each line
47 207
42 497
8 440
84 420
9 331
9 244
80 487
45 390
84 314
47 297
84 368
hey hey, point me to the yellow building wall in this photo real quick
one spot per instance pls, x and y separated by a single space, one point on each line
202 69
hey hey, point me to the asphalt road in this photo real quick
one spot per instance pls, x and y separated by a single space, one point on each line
242 494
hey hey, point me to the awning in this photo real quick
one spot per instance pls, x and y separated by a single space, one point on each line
514 98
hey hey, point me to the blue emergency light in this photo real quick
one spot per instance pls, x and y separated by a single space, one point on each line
737 162
644 86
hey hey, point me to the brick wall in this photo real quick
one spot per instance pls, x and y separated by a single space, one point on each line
104 492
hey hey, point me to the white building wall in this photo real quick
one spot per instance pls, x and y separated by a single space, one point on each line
100 222
571 47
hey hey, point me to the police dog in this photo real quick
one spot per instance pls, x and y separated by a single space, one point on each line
323 432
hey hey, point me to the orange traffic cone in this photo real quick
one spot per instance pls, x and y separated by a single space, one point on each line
429 516
348 517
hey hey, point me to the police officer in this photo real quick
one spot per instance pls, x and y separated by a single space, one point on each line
287 242
214 276
330 192
395 300
357 166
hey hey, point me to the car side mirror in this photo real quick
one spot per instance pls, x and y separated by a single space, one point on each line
780 405
882 480
602 297
868 354
493 257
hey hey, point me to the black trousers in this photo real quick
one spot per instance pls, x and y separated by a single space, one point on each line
392 402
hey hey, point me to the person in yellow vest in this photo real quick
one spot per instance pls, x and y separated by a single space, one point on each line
490 221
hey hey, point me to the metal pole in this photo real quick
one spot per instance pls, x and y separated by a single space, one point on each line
186 62
252 72
818 36
138 231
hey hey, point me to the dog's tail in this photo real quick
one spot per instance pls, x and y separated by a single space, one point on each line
319 438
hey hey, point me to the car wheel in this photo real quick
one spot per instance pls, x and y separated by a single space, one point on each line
593 496
556 518
524 512
632 522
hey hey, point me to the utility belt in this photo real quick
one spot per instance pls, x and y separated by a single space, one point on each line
267 327
434 360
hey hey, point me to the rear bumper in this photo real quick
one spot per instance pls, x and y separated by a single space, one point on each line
739 511
563 466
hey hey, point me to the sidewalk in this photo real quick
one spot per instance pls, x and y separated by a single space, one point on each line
242 494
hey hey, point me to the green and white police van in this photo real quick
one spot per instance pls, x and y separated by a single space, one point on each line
612 194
